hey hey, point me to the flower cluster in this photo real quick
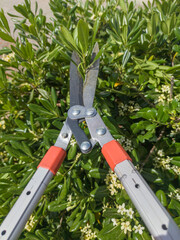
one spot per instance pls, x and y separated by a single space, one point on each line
8 57
87 233
175 194
3 156
70 204
128 108
2 124
164 162
126 143
113 183
164 94
176 129
126 222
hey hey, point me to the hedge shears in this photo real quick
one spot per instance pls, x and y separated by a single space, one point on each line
158 221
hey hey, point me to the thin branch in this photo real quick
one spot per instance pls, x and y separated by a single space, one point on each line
143 97
172 85
153 148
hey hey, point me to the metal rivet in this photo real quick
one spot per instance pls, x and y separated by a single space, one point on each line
100 131
75 112
90 112
64 135
85 146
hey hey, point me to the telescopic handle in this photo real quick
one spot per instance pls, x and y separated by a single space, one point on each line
158 221
15 221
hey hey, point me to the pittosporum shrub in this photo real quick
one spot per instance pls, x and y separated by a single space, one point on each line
138 97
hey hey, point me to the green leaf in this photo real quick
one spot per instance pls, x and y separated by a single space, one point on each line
83 35
39 110
54 96
143 236
6 37
5 50
4 20
123 5
51 133
175 205
21 124
111 213
73 214
176 161
55 207
68 37
64 192
98 173
95 30
126 57
162 114
162 197
76 224
44 93
177 221
177 32
164 27
72 152
99 192
111 232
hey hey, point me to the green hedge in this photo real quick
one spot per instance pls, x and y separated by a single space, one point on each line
138 97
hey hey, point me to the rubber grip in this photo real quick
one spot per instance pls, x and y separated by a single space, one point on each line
53 159
114 153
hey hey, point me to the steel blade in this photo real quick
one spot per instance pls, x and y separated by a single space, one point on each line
89 87
76 82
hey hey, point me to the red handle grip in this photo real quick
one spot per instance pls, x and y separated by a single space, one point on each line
114 153
53 159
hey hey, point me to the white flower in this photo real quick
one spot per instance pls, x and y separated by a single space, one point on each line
87 233
138 229
30 224
121 209
165 89
69 198
126 226
130 212
72 142
114 221
113 182
105 206
8 57
160 153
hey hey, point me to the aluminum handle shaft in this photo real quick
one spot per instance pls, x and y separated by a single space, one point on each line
158 221
15 221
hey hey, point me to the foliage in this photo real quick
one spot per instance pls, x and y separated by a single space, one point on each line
138 97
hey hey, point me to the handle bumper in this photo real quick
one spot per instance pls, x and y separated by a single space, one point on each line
53 159
114 153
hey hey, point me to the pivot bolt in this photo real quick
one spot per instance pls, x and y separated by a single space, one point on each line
85 146
100 131
90 112
64 135
75 112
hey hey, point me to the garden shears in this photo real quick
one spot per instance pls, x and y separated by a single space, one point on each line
158 221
